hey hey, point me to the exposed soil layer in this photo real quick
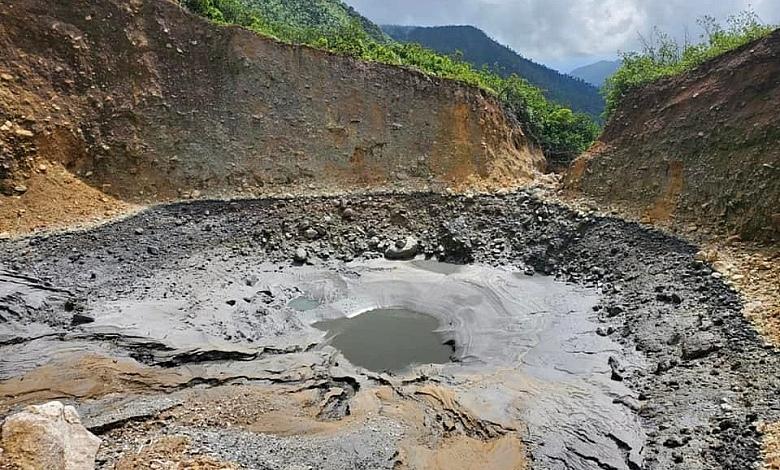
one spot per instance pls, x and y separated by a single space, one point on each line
701 148
700 383
143 101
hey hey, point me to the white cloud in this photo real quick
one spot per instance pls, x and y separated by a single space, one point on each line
563 31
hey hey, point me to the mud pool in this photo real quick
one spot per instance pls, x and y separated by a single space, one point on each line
388 340
553 336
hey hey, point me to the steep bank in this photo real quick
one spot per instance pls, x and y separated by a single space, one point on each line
697 149
145 102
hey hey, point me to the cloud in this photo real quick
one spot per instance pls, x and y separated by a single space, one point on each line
554 31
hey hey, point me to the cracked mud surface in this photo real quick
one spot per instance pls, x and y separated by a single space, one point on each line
143 321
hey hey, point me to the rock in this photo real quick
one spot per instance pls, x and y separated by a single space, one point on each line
698 346
153 250
617 369
48 436
673 298
6 77
348 214
81 319
300 255
614 310
20 189
311 234
403 250
23 133
139 231
676 441
605 331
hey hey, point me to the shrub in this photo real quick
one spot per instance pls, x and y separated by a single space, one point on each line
662 56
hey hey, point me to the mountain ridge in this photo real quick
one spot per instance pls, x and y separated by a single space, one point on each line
481 50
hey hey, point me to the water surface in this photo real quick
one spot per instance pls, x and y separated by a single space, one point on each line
388 339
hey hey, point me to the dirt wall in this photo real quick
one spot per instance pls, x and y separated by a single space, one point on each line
702 148
146 102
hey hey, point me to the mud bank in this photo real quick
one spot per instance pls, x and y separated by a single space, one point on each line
579 342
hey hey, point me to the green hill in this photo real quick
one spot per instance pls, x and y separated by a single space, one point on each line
480 50
300 21
324 15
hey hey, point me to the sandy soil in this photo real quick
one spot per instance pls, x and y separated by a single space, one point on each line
56 199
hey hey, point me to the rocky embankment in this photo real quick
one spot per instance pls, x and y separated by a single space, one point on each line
700 149
194 354
111 101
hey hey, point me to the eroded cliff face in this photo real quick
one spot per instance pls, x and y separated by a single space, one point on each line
142 101
702 148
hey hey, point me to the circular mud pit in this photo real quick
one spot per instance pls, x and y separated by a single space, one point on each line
275 334
388 339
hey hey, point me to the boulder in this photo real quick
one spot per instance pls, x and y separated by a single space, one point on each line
698 346
300 255
48 436
403 250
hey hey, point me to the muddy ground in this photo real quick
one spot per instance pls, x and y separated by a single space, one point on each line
172 332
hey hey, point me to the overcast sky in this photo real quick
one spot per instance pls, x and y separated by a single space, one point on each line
563 33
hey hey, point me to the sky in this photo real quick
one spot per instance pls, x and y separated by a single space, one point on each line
564 34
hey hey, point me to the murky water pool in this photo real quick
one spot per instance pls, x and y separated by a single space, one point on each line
388 339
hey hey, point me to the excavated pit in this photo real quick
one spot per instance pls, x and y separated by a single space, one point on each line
563 339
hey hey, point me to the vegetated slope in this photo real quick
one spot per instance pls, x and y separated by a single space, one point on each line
479 49
144 101
597 73
323 15
702 147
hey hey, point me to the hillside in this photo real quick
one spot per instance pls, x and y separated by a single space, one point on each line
323 15
700 148
146 102
597 73
480 50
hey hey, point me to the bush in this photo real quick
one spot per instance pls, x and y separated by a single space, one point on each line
662 56
562 133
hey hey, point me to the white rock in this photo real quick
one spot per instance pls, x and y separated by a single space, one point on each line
49 436
23 133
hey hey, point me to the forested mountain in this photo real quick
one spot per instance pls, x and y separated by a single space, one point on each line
597 73
480 50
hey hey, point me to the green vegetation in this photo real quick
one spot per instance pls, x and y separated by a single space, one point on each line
662 56
480 50
330 25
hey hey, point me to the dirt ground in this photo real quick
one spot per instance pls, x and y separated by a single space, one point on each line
55 199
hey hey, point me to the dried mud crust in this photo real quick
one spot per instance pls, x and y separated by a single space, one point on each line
708 377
